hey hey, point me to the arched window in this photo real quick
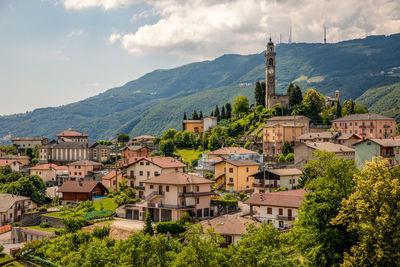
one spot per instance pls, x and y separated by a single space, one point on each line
270 62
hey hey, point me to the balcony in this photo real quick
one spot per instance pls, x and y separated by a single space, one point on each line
387 155
169 206
266 185
285 218
363 126
386 126
154 194
139 187
196 194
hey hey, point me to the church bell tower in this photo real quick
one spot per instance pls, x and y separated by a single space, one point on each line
270 74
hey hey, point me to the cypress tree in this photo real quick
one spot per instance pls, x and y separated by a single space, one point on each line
223 115
184 116
263 92
201 115
338 110
195 116
212 114
216 112
228 109
148 227
258 94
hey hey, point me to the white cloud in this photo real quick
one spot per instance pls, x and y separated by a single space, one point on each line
76 32
207 28
94 84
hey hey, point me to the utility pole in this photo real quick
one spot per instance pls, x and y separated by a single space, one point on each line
290 35
324 34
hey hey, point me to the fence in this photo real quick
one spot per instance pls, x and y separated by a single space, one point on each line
5 228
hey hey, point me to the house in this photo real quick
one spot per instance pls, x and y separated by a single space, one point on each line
270 179
230 228
62 153
199 126
49 172
233 175
14 164
12 207
73 191
144 140
281 129
303 151
208 160
367 125
109 180
72 136
135 151
83 169
140 169
348 140
279 208
168 196
21 143
368 149
23 160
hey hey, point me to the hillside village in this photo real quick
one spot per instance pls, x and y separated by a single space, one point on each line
246 166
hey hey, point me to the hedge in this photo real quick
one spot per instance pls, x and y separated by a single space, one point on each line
40 261
224 202
169 227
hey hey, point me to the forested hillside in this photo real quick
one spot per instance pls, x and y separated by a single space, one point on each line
157 100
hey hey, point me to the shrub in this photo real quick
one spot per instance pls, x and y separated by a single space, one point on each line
1 248
219 201
16 224
40 261
148 226
41 209
72 225
101 232
169 227
185 219
289 157
247 144
44 225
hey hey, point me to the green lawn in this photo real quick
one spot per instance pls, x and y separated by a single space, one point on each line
108 204
188 155
4 257
48 229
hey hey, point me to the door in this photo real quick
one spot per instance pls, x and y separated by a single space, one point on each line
160 189
289 213
128 214
184 189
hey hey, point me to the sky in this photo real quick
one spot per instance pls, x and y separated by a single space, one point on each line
55 52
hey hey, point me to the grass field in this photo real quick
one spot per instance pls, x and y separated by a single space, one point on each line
108 204
188 155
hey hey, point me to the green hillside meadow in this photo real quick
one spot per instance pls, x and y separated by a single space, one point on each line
363 69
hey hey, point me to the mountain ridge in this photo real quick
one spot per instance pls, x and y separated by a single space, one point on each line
157 100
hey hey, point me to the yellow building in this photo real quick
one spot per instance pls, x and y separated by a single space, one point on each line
277 134
233 175
194 126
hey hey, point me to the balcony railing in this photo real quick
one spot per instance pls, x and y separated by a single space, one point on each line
169 206
261 184
386 126
195 194
285 218
363 126
388 155
139 187
154 194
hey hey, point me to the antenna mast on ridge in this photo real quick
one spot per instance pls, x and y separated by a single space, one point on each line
290 35
324 34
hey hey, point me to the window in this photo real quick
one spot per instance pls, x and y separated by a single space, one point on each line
80 173
391 131
230 170
281 225
197 188
151 186
372 124
114 182
280 211
156 174
141 184
335 124
147 163
197 200
247 169
141 173
351 123
380 131
355 131
231 180
206 212
247 179
132 174
167 188
355 123
351 131
148 173
269 210
371 131
75 173
141 163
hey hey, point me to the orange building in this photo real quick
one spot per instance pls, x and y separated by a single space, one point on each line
129 152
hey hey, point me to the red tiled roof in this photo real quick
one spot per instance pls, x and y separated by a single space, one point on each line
86 162
78 186
162 162
289 198
231 151
6 162
48 167
111 175
28 138
228 225
178 178
143 137
70 133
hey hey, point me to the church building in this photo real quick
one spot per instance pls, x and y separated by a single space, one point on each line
271 98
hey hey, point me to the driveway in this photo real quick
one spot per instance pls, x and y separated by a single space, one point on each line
5 240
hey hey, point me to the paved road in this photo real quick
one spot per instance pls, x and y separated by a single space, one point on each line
5 240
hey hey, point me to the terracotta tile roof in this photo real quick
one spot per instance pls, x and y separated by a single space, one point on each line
228 225
111 175
326 146
48 167
75 145
178 178
289 198
78 186
28 138
242 162
312 136
6 162
70 133
193 121
284 124
85 162
346 136
162 162
283 118
38 232
7 200
363 117
231 151
388 142
134 148
144 137
285 172
14 157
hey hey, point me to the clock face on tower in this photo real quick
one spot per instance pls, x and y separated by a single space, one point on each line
271 71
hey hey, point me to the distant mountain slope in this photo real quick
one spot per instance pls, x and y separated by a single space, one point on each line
157 100
384 100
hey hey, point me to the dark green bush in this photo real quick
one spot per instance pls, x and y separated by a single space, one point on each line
44 225
169 227
101 232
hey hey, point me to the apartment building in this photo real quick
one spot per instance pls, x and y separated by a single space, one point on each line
271 179
134 152
303 152
370 148
49 172
12 207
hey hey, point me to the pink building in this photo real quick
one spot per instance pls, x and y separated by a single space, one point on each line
366 125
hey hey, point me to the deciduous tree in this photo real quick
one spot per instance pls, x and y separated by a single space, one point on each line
240 105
